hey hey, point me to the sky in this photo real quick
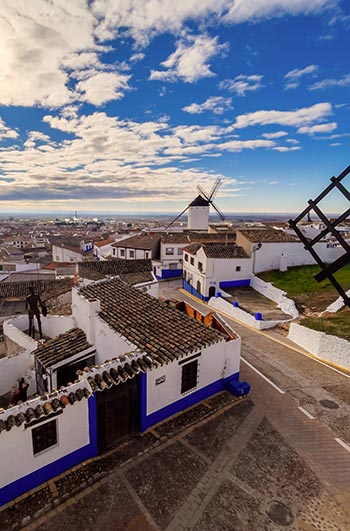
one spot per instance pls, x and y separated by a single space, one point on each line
127 105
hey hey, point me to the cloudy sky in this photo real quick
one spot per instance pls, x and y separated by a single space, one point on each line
126 105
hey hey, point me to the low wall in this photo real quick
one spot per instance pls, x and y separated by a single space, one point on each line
336 305
13 368
275 294
329 348
218 303
54 325
14 330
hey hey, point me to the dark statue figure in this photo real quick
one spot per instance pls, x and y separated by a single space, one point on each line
32 307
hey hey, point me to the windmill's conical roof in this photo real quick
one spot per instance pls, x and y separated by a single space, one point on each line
199 201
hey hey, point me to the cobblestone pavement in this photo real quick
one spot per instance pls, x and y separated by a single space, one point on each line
255 465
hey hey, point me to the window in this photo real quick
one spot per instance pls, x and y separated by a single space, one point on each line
186 257
131 254
122 252
114 252
169 250
172 266
192 260
200 267
238 268
179 251
44 436
146 255
189 376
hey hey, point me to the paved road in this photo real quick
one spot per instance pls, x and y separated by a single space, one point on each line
323 392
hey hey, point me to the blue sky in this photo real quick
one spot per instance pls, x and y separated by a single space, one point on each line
127 105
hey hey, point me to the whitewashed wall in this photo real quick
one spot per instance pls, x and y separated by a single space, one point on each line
327 347
17 443
237 313
216 362
109 344
53 325
336 305
13 368
277 295
60 254
14 330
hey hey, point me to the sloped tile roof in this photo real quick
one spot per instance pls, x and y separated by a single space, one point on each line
131 271
61 347
267 235
197 237
12 290
224 251
141 241
162 332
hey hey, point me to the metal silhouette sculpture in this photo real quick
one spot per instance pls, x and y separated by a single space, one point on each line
327 270
32 307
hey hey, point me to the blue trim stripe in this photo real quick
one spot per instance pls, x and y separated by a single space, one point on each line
234 283
171 273
146 421
22 485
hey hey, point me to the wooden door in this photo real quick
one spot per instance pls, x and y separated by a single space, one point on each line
117 413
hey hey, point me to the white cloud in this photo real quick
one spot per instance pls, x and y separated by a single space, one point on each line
285 149
7 132
190 61
321 128
242 84
327 83
216 104
297 73
244 10
293 76
103 87
298 118
239 145
277 134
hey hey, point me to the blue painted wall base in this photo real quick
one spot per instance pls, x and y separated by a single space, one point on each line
193 291
146 421
234 283
22 485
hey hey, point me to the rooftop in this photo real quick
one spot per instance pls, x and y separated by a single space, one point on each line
141 241
61 347
197 237
131 271
199 201
267 235
162 332
19 290
224 251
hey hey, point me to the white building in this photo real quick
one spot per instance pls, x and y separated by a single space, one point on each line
142 246
275 249
148 361
209 268
103 249
71 253
169 262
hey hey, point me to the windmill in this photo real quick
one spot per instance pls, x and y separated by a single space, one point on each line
198 209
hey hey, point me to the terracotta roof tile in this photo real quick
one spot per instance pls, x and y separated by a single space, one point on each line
19 290
61 347
162 332
224 251
131 271
267 235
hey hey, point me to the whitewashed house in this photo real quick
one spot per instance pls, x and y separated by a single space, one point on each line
139 247
209 268
275 249
103 249
72 253
145 362
169 262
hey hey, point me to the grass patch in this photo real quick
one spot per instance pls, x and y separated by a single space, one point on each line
300 285
337 324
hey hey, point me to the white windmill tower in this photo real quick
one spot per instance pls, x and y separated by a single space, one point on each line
198 209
